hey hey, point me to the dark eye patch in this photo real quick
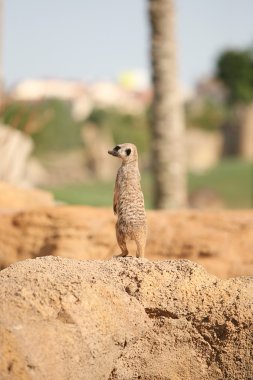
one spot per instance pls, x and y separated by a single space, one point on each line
116 148
128 151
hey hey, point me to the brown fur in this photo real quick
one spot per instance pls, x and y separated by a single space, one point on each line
128 201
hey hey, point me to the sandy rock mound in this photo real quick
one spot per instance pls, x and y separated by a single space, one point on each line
123 319
220 241
17 198
73 232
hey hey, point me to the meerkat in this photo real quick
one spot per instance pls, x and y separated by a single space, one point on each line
128 201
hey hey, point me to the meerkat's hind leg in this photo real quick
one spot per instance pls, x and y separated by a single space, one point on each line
123 254
122 244
140 241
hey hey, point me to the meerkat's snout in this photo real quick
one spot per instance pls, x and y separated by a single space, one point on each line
123 151
114 151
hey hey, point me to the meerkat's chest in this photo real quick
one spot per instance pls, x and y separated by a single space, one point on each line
131 209
130 193
128 182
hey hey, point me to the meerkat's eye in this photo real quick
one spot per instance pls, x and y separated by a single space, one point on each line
116 148
128 151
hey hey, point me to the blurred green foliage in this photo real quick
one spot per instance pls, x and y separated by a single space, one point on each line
123 127
52 127
235 69
209 117
60 131
48 122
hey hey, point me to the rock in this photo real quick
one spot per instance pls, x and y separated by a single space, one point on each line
123 319
18 198
246 134
205 198
76 232
221 241
96 142
203 149
15 150
64 168
36 173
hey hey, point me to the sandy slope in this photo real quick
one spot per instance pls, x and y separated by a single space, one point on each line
123 319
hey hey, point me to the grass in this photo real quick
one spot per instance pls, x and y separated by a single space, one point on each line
232 180
94 193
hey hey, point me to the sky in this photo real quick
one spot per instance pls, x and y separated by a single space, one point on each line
96 40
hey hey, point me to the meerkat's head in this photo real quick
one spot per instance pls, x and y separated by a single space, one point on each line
127 152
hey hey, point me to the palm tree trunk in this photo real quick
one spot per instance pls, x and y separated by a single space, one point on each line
167 127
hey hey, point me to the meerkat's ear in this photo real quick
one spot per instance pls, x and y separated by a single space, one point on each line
128 151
